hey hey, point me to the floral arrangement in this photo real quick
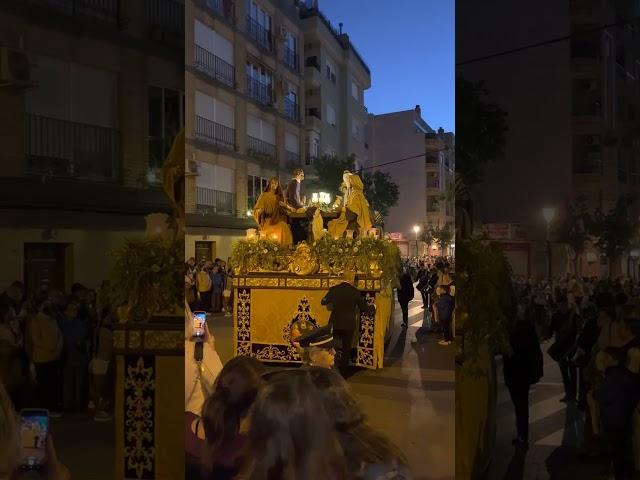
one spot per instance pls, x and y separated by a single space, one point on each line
259 255
147 277
369 255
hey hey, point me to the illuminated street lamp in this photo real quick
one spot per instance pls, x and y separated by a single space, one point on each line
416 230
549 213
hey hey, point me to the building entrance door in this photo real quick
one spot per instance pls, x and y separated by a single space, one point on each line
205 251
46 265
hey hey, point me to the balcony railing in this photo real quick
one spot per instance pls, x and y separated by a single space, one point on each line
214 66
290 58
223 8
259 34
261 150
314 112
215 201
293 158
258 91
60 148
166 15
309 159
215 133
107 11
312 62
290 109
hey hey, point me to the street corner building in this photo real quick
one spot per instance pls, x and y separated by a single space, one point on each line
271 85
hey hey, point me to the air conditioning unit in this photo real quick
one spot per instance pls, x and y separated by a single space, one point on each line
15 68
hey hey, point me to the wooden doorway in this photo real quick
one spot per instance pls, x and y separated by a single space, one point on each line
47 265
205 251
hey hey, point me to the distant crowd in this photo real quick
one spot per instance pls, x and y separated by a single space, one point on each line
209 286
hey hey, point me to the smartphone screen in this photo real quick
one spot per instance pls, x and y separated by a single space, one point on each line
199 321
34 426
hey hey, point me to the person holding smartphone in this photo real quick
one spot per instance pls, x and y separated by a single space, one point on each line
14 458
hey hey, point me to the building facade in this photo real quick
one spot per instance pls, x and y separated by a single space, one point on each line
91 99
421 162
245 87
336 78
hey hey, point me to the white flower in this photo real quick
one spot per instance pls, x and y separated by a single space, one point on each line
265 251
355 250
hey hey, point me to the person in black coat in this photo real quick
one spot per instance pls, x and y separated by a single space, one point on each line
405 295
522 368
343 300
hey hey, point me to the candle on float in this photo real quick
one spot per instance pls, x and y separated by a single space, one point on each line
314 198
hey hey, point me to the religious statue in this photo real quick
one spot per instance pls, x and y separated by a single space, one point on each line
354 214
299 226
173 177
270 214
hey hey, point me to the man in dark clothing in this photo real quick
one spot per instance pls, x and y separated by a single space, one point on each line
564 325
343 300
423 284
523 368
445 306
405 295
299 226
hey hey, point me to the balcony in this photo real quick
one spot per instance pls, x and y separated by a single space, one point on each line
312 73
104 11
59 148
291 109
290 58
165 16
215 133
314 119
292 158
310 159
261 150
259 34
214 67
225 9
211 201
258 91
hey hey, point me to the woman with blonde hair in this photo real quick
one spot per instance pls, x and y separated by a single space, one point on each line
355 211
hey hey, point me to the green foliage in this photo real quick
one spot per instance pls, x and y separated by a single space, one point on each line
481 129
574 230
148 277
443 236
259 254
381 191
484 298
614 231
329 171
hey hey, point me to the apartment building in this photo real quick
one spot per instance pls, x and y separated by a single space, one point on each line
244 84
91 98
580 94
424 175
336 78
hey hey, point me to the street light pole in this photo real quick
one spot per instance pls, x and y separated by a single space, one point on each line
416 229
549 214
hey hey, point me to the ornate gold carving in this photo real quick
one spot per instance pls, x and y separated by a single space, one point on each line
163 340
362 284
139 455
235 281
244 317
261 282
271 352
377 285
118 339
134 339
302 262
334 281
303 282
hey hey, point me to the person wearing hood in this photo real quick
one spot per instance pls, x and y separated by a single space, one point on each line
355 214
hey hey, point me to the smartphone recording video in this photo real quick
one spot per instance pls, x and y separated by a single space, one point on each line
34 426
199 322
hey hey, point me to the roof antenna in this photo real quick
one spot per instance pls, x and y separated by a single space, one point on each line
340 25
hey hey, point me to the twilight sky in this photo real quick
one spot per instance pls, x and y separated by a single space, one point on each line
409 47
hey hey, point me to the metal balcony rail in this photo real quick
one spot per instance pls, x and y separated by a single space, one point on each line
215 133
258 91
260 149
292 158
209 200
60 148
107 11
312 62
259 34
290 57
309 159
290 109
166 15
223 8
433 183
314 112
214 66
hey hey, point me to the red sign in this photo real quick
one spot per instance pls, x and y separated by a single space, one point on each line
505 231
395 236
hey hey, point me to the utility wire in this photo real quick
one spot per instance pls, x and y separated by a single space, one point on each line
393 162
548 42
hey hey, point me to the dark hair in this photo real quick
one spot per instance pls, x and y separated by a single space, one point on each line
630 316
291 435
621 299
278 193
616 353
234 392
359 441
297 171
606 303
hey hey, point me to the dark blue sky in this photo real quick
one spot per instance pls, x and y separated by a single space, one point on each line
409 47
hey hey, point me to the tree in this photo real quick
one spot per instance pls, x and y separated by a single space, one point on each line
328 172
614 232
574 230
381 191
443 236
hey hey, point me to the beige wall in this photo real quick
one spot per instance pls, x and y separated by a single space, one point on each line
223 244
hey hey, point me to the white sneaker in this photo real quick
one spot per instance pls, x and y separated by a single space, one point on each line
444 342
102 417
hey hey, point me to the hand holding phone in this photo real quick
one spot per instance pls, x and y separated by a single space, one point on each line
34 429
199 324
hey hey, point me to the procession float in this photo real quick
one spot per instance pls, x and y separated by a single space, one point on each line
279 284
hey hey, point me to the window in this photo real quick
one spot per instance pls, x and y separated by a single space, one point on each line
291 101
331 115
259 83
255 186
291 142
215 187
355 91
587 156
259 25
331 71
213 42
261 129
165 110
432 180
432 204
290 50
214 110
